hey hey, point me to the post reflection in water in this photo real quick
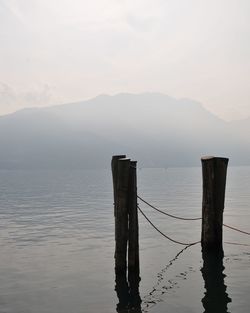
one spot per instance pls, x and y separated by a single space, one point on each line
128 293
216 297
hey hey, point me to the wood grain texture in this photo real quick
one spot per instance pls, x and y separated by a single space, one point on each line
121 219
214 171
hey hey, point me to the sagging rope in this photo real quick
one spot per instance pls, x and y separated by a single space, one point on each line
157 229
237 243
189 219
236 229
182 243
170 215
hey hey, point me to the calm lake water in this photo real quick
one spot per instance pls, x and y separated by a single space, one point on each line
57 243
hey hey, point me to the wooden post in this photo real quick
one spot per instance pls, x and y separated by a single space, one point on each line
126 232
214 170
133 248
114 167
133 243
121 215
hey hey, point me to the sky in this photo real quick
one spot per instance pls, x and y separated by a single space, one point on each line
62 51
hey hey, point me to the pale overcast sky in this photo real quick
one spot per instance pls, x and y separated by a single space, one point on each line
59 51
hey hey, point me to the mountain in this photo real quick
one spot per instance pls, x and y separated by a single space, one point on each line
156 130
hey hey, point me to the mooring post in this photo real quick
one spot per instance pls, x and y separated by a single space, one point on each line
133 248
114 168
133 244
126 231
214 171
121 214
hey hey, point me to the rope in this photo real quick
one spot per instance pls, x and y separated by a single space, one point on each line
236 229
188 219
170 215
237 244
193 243
157 229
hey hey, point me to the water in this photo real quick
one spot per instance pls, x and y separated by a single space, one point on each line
57 243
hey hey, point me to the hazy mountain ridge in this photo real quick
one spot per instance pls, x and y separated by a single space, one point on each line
155 129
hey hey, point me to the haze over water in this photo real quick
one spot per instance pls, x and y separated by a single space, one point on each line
164 82
57 242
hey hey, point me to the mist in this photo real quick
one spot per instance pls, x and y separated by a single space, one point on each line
56 52
155 129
